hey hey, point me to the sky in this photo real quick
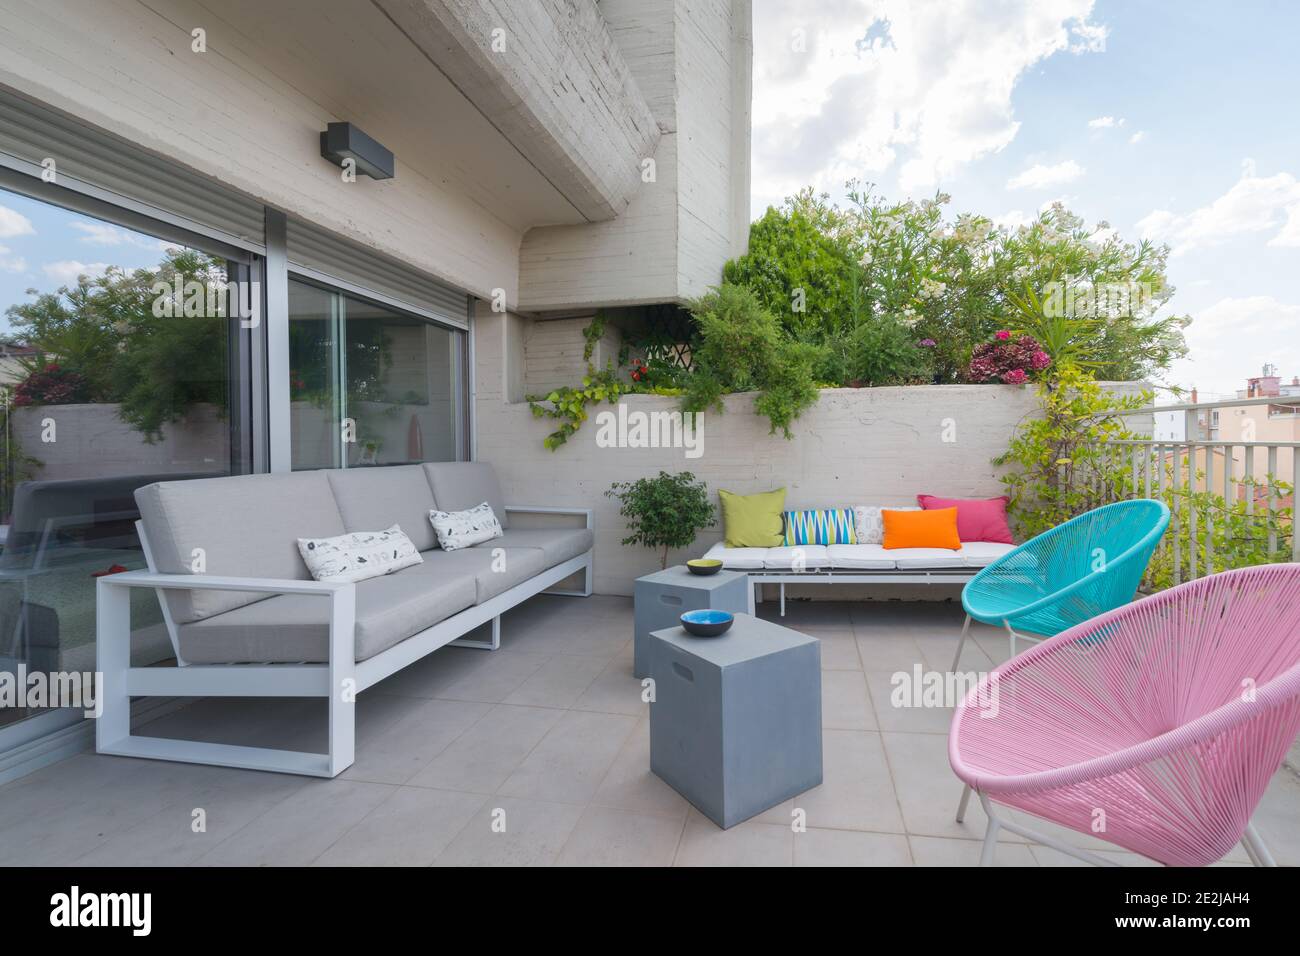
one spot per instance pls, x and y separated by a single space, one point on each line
1172 120
44 247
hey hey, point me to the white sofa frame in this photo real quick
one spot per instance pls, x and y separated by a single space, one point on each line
339 680
760 576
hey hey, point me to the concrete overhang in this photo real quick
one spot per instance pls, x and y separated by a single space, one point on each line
549 76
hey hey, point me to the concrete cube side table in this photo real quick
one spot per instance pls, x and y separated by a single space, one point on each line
736 722
662 597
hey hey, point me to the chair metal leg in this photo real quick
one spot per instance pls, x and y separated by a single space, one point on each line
782 598
990 842
956 658
965 802
1255 847
1011 636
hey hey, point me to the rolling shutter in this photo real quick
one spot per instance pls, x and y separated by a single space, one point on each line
109 168
330 256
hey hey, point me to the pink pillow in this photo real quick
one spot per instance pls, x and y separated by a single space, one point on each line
978 519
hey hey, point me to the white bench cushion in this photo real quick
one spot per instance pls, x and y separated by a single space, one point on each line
916 559
738 559
980 554
783 559
861 557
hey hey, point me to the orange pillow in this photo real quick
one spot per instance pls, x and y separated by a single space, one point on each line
921 529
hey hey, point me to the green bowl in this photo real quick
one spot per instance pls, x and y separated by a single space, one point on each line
704 566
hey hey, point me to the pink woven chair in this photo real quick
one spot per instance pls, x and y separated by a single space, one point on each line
1163 721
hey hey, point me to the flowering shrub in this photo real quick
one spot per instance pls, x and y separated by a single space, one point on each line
1007 360
52 385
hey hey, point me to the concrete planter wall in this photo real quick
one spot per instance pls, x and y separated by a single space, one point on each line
856 446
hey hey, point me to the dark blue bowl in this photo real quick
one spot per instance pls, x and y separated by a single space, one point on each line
707 623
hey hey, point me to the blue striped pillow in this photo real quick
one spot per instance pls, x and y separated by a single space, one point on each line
819 526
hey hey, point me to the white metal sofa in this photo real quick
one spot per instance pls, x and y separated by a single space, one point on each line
246 620
856 564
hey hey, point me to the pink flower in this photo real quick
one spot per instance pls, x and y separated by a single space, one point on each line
927 343
1040 360
1002 335
1016 376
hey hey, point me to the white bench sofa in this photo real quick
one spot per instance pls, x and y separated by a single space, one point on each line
856 564
246 619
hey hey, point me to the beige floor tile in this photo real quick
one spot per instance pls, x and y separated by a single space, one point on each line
608 837
817 847
942 851
508 831
568 764
482 758
411 828
845 704
746 844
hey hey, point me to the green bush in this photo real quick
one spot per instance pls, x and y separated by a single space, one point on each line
741 347
664 512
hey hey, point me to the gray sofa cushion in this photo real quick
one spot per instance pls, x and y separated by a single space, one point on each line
295 627
516 566
558 544
247 526
371 499
460 485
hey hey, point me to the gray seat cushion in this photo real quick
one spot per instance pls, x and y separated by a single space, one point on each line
371 499
460 485
247 526
295 627
493 572
558 544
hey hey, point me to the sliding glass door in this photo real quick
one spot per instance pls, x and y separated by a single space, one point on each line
120 365
369 385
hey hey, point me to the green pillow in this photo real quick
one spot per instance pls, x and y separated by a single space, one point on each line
752 521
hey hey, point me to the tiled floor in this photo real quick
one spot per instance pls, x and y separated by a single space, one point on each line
538 754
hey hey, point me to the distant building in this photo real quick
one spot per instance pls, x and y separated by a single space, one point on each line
11 362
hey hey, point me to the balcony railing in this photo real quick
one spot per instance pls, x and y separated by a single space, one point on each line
1232 502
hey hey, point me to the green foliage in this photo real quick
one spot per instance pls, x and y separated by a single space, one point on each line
663 512
104 329
1059 467
741 347
958 281
800 247
569 405
1229 533
884 352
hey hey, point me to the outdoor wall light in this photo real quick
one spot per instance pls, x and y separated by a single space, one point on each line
343 141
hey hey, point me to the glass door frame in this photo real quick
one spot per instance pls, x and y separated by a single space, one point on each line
43 738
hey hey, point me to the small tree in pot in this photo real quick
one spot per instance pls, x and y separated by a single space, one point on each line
663 512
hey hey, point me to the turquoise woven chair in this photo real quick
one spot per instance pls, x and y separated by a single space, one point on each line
1085 567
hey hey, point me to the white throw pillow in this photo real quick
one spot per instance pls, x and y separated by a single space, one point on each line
460 529
869 526
359 555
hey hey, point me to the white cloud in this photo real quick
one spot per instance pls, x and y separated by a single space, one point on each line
1253 205
1045 177
1105 122
13 223
102 234
1137 137
1013 219
1231 339
10 262
66 271
855 88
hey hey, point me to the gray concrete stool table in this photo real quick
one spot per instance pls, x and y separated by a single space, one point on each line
661 598
736 720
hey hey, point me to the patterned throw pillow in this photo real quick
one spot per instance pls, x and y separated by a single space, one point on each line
819 526
359 555
868 524
460 529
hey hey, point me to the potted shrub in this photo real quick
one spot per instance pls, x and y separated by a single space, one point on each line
664 512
